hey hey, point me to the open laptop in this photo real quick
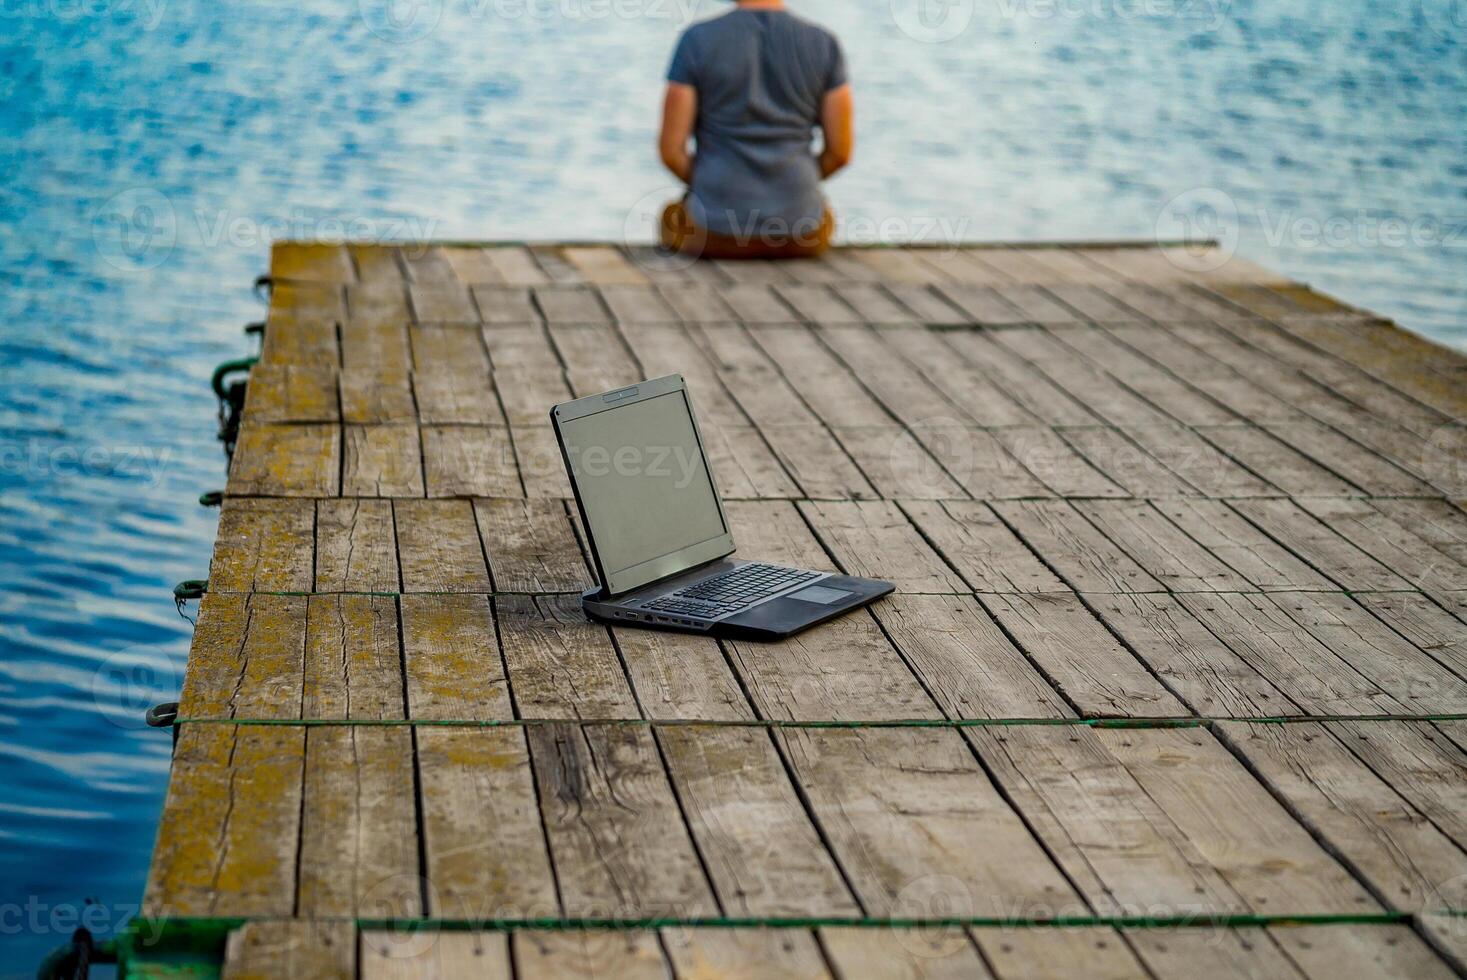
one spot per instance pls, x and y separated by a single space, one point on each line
658 535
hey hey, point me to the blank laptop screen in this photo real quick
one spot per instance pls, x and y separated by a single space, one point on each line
644 485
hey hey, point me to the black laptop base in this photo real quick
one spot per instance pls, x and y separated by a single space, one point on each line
773 619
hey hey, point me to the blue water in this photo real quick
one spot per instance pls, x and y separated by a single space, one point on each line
151 148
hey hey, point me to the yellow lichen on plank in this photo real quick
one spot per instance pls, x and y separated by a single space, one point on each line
311 262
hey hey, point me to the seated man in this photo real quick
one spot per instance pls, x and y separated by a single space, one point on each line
752 85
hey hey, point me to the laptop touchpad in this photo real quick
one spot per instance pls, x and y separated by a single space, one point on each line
820 594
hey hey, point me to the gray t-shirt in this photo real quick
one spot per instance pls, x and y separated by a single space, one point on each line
761 77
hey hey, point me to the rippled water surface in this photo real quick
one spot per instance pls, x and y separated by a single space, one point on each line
150 149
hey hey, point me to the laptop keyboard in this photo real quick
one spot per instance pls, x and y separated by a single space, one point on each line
731 591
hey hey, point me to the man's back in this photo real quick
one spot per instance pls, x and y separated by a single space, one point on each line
761 76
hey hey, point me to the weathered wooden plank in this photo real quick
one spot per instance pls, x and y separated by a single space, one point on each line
1395 545
263 545
622 954
359 841
286 461
457 397
292 393
1080 657
382 461
1409 863
774 531
377 314
1120 847
1160 547
698 303
269 949
522 348
1424 763
785 953
1097 391
680 676
1326 953
638 304
875 305
435 956
353 668
299 303
469 264
1276 462
972 539
1212 952
1441 522
1299 665
503 305
531 546
604 265
899 806
1092 302
371 398
843 670
442 302
1424 623
448 349
1260 559
818 304
1376 651
897 463
1050 459
1199 462
984 305
1263 853
1180 400
515 265
426 263
376 262
438 547
1083 556
376 348
763 854
227 838
1022 382
743 465
485 851
451 660
247 657
596 360
571 304
1113 453
1051 954
802 444
973 392
1363 467
967 663
927 306
619 844
1208 676
561 665
470 461
874 539
311 262
307 344
1317 544
356 546
911 954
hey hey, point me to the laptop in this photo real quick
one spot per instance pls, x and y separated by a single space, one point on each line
659 538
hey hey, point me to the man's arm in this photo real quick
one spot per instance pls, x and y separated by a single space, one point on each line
679 111
838 121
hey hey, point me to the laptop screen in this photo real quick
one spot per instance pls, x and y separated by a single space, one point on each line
645 489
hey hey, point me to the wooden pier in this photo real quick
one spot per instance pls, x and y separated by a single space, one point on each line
1173 683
